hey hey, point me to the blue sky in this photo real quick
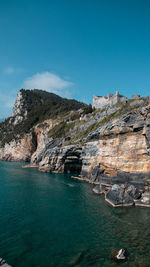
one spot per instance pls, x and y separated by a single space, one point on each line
76 48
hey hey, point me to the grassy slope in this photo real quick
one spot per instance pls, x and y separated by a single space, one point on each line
78 131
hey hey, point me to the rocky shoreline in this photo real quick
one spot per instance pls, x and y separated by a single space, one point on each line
120 195
117 195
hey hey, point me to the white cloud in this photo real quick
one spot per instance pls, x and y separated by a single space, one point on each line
47 81
9 70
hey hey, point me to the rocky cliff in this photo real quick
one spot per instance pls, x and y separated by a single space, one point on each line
35 113
111 145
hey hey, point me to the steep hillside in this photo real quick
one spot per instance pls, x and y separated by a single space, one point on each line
31 108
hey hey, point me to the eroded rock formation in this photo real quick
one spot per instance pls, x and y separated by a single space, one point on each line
19 150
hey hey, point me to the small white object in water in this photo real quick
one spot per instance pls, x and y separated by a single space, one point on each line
121 254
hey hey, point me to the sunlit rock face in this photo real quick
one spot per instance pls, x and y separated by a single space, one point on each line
124 152
29 147
42 139
123 146
19 150
20 110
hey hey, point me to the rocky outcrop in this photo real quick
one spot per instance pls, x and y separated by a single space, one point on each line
42 140
144 201
89 155
61 159
122 195
123 145
20 111
19 150
123 148
30 146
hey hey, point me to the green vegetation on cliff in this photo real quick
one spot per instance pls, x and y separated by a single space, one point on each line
39 105
76 122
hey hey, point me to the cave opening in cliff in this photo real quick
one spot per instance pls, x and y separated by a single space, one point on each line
73 164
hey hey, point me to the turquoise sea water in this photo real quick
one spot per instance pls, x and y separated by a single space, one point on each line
53 220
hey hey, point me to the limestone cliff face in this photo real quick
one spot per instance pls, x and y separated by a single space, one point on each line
20 111
41 133
30 146
123 146
19 150
90 154
35 111
61 159
124 152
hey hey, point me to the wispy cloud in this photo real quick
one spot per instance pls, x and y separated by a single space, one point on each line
9 70
47 81
13 70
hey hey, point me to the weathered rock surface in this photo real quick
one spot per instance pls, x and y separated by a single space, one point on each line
30 146
89 158
123 145
62 159
34 107
42 139
123 148
144 200
97 189
19 150
122 195
20 110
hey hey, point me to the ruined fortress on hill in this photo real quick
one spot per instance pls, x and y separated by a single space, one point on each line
110 100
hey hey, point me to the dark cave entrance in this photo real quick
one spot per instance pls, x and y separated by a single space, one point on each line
73 163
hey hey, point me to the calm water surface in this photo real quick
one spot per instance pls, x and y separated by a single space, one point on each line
51 220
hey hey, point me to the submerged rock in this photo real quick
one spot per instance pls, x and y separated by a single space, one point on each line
76 259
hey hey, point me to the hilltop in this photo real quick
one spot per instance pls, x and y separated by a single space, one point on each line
32 107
